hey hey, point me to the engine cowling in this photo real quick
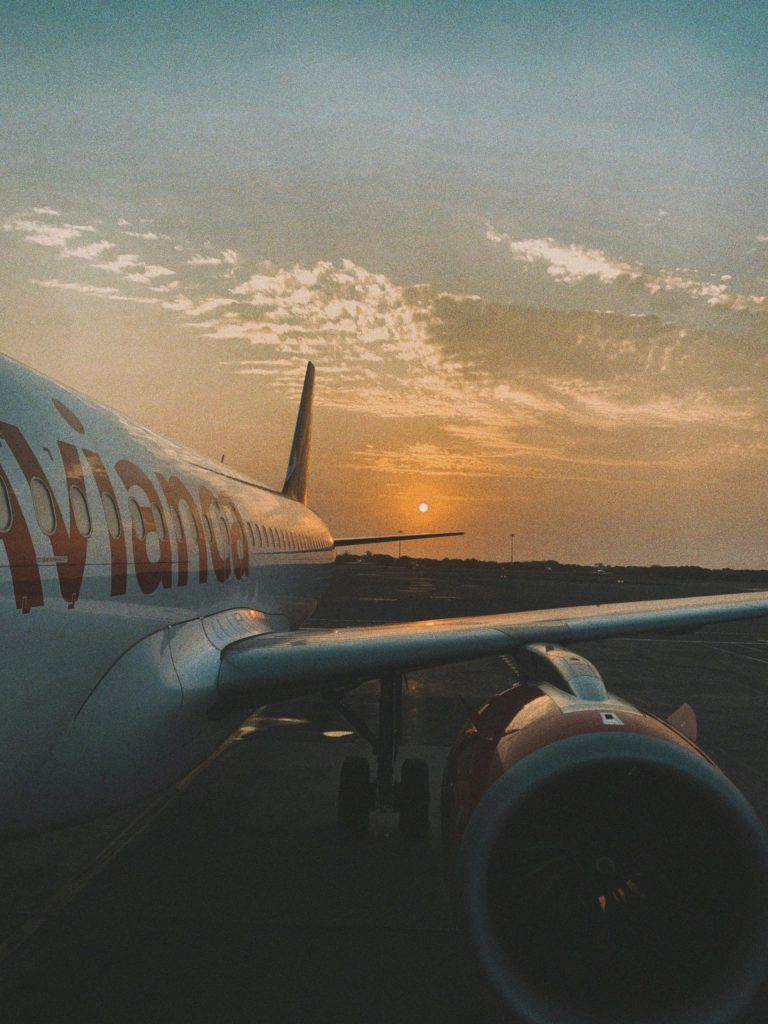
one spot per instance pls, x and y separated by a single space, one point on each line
606 869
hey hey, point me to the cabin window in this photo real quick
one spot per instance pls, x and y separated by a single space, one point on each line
157 514
137 519
6 517
43 502
110 514
80 511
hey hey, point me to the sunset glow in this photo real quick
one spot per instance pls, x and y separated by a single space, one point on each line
524 244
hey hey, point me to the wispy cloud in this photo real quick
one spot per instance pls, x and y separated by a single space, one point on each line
227 256
426 459
498 390
570 264
89 252
135 269
51 235
567 263
94 290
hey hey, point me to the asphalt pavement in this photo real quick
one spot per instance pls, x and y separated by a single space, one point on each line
229 899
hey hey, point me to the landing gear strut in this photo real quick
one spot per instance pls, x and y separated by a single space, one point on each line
358 795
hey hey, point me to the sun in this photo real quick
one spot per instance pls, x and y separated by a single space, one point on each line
423 507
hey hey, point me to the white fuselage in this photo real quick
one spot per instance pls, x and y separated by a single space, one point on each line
126 563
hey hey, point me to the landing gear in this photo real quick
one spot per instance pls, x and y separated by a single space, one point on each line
358 796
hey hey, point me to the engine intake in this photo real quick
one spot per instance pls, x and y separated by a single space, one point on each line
617 878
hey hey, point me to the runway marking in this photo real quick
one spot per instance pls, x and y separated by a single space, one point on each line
20 938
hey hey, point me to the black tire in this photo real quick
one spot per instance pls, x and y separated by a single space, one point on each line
354 798
413 798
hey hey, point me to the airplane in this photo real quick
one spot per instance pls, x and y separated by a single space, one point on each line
604 868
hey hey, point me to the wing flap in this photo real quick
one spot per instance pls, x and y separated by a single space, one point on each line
280 665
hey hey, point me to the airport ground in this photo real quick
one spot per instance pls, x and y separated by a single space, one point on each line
229 899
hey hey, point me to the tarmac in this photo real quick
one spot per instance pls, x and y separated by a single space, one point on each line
229 899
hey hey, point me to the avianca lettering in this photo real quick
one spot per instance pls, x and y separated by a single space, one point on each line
213 522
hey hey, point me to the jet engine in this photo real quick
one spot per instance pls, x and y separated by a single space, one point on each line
607 871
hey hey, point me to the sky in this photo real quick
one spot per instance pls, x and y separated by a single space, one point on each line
525 244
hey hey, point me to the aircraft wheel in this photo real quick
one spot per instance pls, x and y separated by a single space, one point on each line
414 798
354 797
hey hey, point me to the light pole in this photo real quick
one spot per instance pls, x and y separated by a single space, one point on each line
399 545
511 548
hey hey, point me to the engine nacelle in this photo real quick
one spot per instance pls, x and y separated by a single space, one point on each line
606 869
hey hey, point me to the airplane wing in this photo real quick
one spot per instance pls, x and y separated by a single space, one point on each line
346 542
277 666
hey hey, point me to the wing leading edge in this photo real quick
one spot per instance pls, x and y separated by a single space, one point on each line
281 665
347 542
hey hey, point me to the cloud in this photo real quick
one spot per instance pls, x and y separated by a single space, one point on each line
424 459
567 263
190 308
46 211
227 256
89 252
135 270
44 233
94 290
614 408
486 390
571 264
74 286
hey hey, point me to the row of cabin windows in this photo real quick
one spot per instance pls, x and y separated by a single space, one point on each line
183 522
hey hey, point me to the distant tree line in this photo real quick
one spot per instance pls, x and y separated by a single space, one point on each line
626 573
